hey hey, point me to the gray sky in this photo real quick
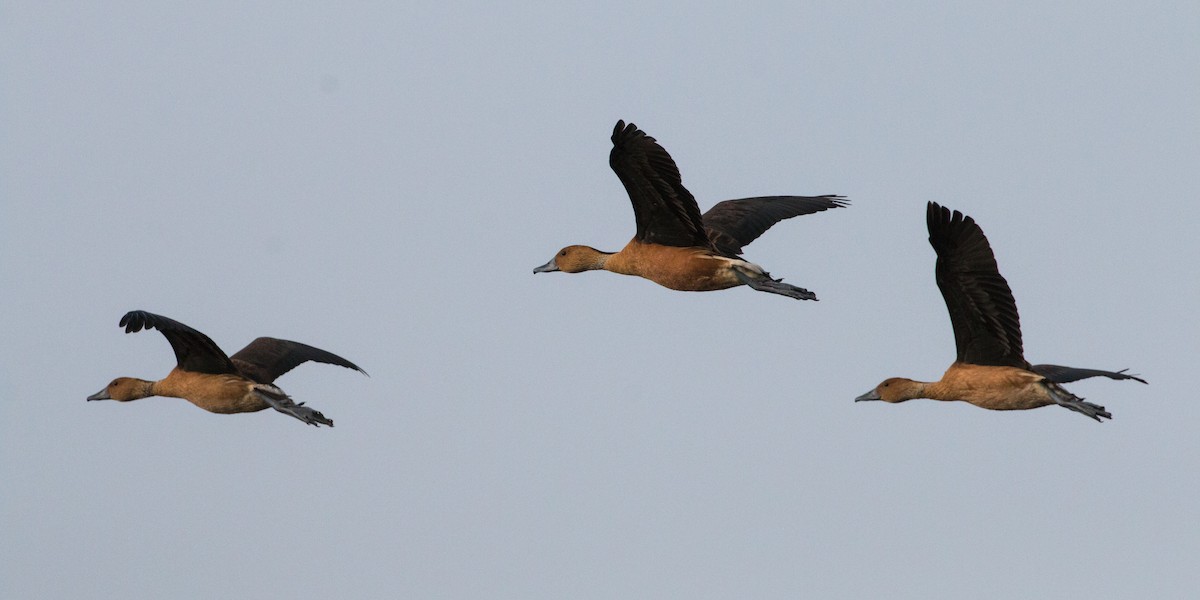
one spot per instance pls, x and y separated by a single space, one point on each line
379 181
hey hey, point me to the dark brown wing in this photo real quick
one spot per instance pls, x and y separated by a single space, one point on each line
1061 374
733 224
194 351
987 329
265 359
666 212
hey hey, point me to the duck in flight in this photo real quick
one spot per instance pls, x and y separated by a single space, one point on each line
677 247
990 370
208 378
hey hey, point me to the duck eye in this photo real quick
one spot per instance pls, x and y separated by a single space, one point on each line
563 253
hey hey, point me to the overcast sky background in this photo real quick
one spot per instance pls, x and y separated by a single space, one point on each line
379 181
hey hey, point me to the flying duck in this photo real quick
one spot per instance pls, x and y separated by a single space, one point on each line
990 370
208 378
677 247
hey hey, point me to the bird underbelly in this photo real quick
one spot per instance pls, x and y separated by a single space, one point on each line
226 405
678 268
993 388
696 274
695 283
1008 398
221 394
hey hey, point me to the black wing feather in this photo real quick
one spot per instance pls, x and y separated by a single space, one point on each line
1061 374
265 359
194 351
987 328
665 211
733 224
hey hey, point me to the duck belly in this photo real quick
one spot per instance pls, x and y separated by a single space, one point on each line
228 404
223 394
994 388
700 276
1007 398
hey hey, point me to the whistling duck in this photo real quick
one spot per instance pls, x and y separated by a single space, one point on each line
208 378
677 247
990 370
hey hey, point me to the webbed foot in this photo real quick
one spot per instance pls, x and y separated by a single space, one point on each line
284 404
1068 400
775 286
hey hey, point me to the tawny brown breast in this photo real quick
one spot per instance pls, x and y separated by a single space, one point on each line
225 394
995 388
684 269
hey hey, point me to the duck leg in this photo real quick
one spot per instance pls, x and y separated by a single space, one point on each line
284 404
775 286
1068 400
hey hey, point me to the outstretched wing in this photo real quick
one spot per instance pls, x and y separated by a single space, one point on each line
733 224
265 359
1061 374
194 351
666 212
987 329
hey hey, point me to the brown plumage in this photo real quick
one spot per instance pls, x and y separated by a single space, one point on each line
205 376
674 245
990 370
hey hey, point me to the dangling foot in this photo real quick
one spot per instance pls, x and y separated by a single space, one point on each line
284 404
775 286
1066 399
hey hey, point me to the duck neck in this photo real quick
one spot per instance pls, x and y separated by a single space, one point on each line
936 390
600 262
144 389
162 387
